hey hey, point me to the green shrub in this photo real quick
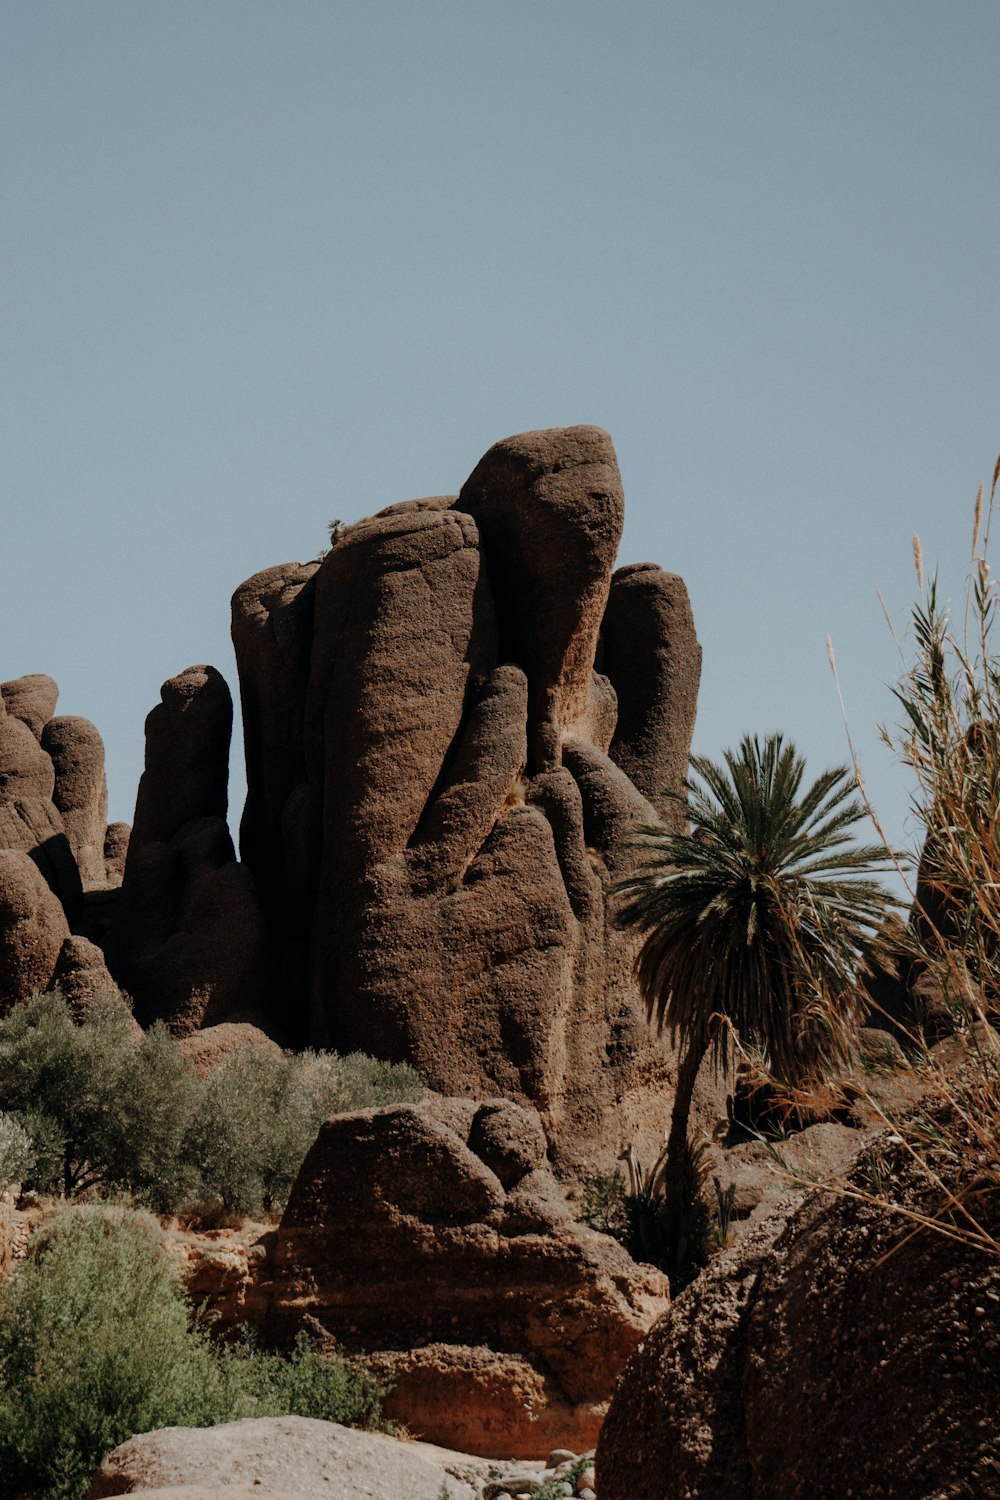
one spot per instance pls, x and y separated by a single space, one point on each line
17 1153
97 1342
103 1112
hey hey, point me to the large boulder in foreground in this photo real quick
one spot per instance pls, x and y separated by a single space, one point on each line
832 1352
434 1238
436 805
275 1455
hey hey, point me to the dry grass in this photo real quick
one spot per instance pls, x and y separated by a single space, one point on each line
949 738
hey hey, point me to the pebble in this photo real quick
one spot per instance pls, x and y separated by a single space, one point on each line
558 1469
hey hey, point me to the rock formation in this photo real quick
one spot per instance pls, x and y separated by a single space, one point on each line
434 1238
188 943
53 833
32 929
81 793
831 1352
439 782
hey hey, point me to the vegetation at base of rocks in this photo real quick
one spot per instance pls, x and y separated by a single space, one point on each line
97 1342
104 1112
759 920
678 1238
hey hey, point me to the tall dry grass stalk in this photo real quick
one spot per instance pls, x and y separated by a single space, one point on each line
949 738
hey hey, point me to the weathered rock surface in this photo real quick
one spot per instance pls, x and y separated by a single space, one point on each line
832 1352
32 929
29 819
81 974
653 659
81 792
31 699
503 1322
434 819
286 1455
206 1050
188 942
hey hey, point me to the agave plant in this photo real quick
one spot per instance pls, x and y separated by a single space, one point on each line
758 920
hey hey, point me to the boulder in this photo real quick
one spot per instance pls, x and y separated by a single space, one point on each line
81 974
831 1352
81 792
32 929
280 1455
206 1050
31 699
502 1321
435 816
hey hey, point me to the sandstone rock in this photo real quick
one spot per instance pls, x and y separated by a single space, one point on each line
116 838
509 1140
29 820
32 929
652 656
550 509
205 1051
82 975
287 1455
830 1352
187 757
81 792
188 941
433 820
503 1321
31 699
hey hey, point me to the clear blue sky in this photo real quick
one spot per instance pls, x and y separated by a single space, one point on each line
267 264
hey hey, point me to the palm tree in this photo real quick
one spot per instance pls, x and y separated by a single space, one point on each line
759 920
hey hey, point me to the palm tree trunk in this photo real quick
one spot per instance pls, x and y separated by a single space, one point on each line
677 1178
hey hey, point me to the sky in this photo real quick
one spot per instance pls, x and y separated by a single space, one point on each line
267 264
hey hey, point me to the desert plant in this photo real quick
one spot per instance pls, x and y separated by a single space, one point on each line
97 1341
104 1112
758 919
949 738
17 1152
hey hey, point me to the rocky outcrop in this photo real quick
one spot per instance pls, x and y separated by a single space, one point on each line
76 751
188 942
275 1455
832 1352
207 1050
31 699
32 929
434 1238
29 819
81 974
439 781
652 656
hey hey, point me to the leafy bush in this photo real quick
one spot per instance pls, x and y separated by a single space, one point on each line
97 1343
104 1112
17 1153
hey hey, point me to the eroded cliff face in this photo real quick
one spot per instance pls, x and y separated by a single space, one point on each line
450 725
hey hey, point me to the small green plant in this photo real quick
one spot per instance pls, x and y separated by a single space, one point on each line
637 1215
